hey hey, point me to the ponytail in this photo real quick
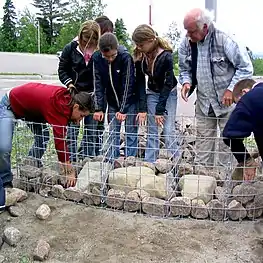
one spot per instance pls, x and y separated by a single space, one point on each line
84 99
164 44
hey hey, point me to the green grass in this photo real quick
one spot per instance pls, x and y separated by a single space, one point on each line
18 74
22 142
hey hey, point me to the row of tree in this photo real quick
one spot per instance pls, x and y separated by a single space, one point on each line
55 23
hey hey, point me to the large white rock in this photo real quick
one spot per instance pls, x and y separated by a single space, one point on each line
92 174
200 187
126 179
155 185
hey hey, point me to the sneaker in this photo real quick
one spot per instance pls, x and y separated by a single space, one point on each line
8 185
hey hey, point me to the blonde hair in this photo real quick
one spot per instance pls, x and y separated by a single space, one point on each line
90 32
145 33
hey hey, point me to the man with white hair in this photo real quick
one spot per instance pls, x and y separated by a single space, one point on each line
213 62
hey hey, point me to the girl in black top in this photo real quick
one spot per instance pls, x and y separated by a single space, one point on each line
153 57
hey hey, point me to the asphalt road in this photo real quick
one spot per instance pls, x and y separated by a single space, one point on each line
46 65
28 63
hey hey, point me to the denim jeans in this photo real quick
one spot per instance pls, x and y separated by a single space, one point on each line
6 136
131 132
41 139
2 195
7 124
169 132
90 143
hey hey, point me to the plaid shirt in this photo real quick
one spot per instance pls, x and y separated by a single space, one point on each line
221 63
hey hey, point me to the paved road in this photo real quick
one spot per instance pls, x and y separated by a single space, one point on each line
28 63
6 84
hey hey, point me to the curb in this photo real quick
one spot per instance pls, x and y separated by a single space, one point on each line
29 77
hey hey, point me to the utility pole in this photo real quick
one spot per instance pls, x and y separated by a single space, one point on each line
150 13
38 36
211 5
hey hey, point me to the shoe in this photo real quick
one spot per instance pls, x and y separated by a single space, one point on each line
8 185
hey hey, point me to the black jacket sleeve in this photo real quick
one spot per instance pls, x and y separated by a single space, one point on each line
238 127
99 89
169 83
140 87
65 64
127 81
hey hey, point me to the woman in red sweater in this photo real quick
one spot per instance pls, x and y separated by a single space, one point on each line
41 104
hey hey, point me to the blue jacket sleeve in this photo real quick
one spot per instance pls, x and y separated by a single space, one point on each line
99 89
127 82
169 83
140 87
238 127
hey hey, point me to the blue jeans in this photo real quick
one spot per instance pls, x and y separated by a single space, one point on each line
7 124
41 139
131 132
6 136
169 132
2 195
90 143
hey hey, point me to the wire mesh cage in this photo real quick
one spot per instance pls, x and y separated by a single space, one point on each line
175 185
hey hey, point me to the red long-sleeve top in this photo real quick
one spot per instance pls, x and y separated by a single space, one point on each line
44 103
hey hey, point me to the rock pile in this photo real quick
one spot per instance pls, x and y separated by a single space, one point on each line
11 235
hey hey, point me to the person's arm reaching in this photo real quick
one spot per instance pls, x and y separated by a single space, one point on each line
99 91
238 127
59 123
127 81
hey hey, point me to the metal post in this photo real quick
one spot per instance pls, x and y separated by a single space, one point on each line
38 36
211 5
150 13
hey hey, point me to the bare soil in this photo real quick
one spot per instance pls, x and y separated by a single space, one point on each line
79 234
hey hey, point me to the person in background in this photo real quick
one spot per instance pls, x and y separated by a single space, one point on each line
214 62
245 119
75 71
153 58
106 25
41 104
114 74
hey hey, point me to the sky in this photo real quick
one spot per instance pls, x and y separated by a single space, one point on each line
234 16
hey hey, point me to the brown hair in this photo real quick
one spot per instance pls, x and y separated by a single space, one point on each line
84 99
145 33
90 32
108 42
105 24
242 84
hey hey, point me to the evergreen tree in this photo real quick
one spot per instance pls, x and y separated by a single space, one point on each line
50 15
120 31
8 28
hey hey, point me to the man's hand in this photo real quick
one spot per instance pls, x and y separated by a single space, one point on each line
98 116
120 116
227 98
141 118
159 119
250 168
185 89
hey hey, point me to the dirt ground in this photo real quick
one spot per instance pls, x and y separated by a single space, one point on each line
79 234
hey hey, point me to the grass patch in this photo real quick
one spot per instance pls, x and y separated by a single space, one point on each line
23 140
18 74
